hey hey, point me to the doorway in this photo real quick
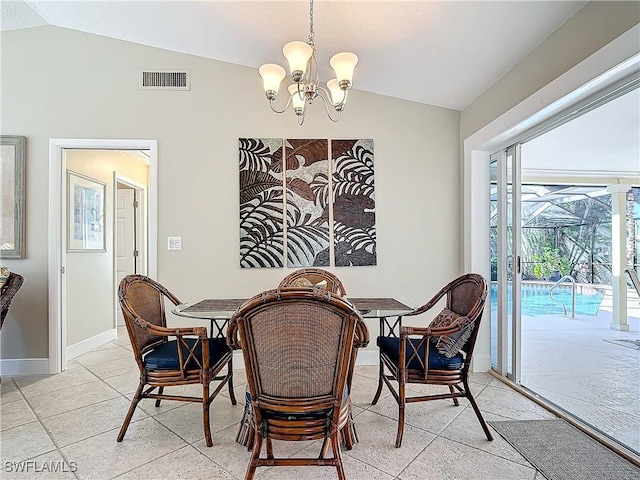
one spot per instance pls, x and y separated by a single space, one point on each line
130 230
62 262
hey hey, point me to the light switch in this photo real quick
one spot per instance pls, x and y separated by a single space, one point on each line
174 243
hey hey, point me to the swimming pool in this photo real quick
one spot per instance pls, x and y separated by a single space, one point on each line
536 301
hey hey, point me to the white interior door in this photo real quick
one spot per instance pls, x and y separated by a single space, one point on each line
125 238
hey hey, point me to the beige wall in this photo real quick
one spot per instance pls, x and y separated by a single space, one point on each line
595 25
61 83
89 276
66 84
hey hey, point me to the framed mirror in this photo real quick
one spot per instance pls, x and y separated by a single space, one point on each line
13 151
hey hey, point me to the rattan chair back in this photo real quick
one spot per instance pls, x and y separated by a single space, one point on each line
142 299
466 296
316 277
297 345
325 280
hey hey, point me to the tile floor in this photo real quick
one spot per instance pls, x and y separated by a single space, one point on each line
72 419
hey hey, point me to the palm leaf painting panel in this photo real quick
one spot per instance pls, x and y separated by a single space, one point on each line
354 218
261 202
306 164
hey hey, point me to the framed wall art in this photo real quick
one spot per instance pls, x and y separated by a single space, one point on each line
261 203
85 216
12 180
307 200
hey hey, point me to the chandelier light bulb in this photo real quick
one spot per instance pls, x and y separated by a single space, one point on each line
337 94
298 55
272 75
343 64
297 99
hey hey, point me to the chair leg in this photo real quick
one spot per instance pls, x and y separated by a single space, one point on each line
376 397
206 402
347 435
160 391
337 454
232 395
245 430
269 448
134 403
252 432
325 448
455 399
401 407
255 455
469 396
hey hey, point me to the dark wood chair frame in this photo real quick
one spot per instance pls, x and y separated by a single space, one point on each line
147 334
349 435
9 290
466 296
292 416
334 285
315 276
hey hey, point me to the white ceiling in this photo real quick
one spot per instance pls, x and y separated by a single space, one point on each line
443 53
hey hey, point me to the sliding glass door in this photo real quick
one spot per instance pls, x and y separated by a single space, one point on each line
506 267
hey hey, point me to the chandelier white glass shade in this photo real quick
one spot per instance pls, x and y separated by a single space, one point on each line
303 68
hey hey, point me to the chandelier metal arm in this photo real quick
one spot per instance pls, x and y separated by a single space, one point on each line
284 109
324 95
313 67
340 105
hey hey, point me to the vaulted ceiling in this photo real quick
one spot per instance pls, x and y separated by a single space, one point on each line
442 53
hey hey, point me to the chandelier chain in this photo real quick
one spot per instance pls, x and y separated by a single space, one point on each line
311 22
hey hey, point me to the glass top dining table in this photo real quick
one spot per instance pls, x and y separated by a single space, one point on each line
220 310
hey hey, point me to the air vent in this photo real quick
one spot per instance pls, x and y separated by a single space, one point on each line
162 80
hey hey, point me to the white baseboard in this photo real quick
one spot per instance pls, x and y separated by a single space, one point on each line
92 343
365 357
480 363
368 357
24 366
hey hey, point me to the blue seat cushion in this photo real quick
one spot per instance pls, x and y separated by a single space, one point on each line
437 361
165 356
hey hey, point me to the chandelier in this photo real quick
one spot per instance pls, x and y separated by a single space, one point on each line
303 68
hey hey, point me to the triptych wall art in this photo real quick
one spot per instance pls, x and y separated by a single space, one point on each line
299 197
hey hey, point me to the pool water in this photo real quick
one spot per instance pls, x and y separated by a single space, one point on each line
535 299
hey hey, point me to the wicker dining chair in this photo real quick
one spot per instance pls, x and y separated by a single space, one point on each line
439 354
192 358
314 277
297 345
325 280
7 292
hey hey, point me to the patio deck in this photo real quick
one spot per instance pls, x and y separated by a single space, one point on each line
587 368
